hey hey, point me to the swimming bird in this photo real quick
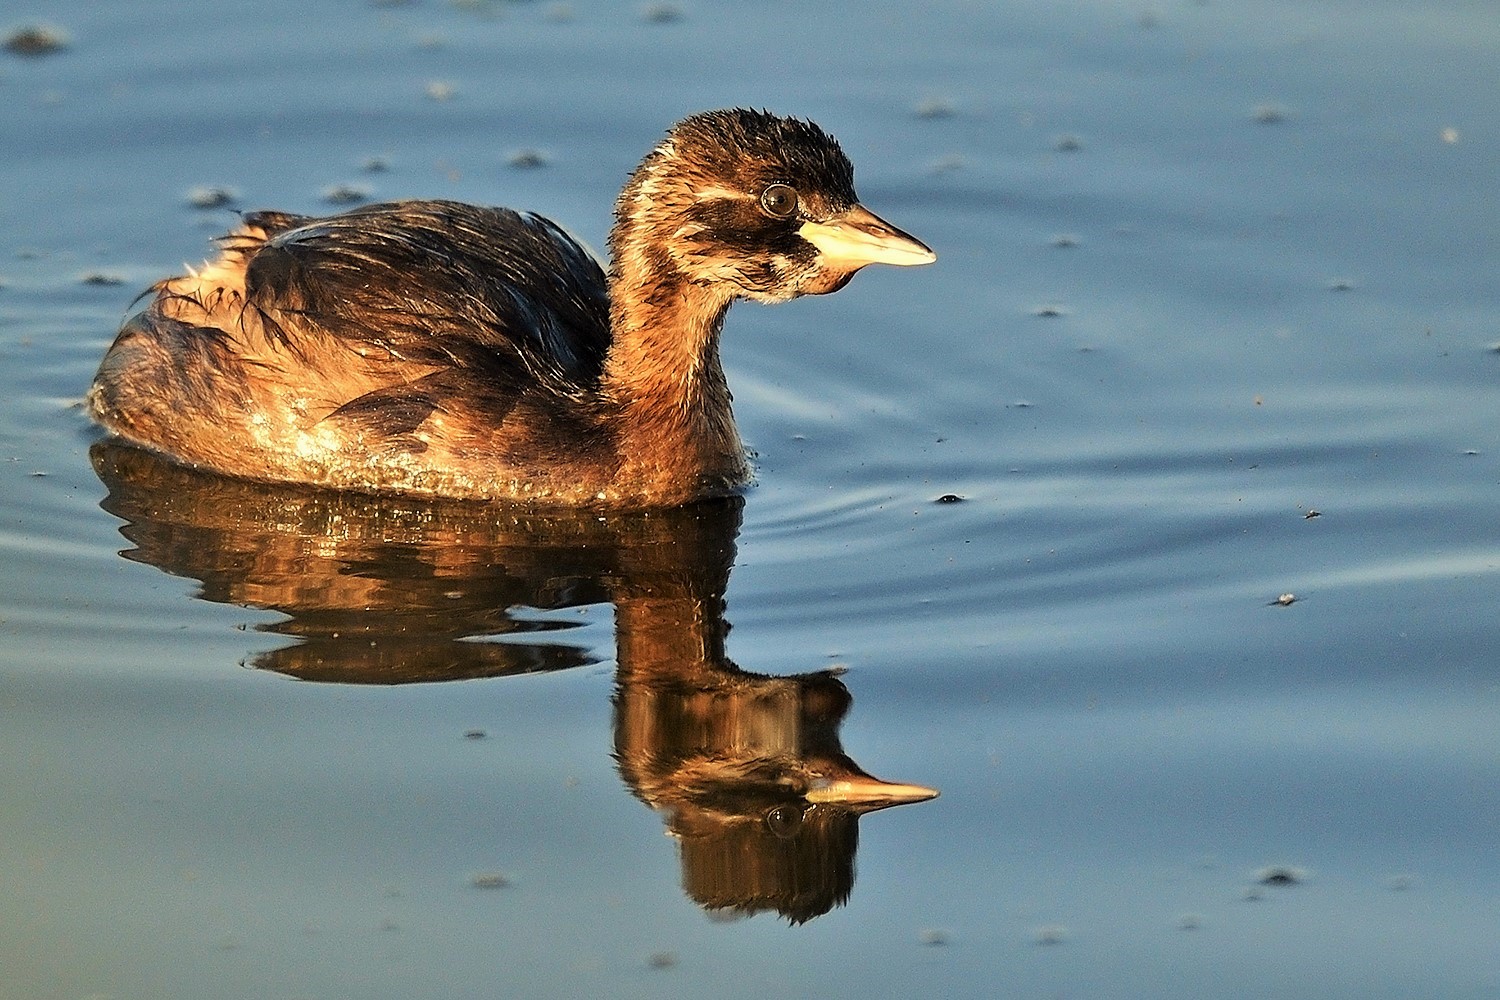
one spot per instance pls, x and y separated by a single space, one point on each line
436 347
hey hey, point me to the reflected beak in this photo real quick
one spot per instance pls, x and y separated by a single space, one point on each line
864 793
852 239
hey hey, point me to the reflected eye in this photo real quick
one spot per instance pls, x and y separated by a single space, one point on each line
784 821
779 200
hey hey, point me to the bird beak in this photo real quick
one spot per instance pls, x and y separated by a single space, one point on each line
865 793
857 237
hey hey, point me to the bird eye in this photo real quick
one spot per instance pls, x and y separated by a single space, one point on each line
779 200
784 821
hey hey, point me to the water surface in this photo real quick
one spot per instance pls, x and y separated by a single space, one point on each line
1205 269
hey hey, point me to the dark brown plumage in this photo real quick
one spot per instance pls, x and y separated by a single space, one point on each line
443 348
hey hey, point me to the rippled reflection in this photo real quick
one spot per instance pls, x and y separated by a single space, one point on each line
747 770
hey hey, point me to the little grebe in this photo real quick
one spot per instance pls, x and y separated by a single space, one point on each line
443 348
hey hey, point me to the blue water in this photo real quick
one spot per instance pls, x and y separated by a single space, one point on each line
1203 270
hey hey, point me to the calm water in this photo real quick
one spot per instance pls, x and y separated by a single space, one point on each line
1205 268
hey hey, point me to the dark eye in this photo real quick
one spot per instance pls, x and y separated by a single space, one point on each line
779 200
784 821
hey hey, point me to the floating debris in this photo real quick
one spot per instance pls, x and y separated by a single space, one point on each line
1280 875
475 734
527 159
212 196
102 279
1189 922
1401 883
375 165
1049 312
489 880
1311 513
933 937
1449 135
1065 241
439 90
1067 143
1050 934
1285 600
36 40
950 498
1340 284
662 959
346 194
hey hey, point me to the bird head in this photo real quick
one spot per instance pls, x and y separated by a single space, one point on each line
762 206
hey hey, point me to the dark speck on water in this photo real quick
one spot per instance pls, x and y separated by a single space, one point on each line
527 159
1269 114
1050 934
662 13
36 40
346 194
1280 875
212 196
933 108
489 880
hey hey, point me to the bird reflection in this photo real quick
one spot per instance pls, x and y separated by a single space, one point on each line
746 770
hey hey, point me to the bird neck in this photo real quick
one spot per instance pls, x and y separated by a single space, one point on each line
663 372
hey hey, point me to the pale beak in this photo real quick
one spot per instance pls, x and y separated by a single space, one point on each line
864 793
857 237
